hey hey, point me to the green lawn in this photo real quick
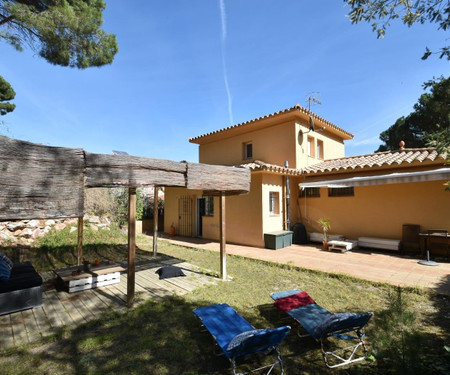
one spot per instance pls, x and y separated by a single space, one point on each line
408 334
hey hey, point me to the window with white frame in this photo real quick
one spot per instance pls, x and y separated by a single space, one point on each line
274 203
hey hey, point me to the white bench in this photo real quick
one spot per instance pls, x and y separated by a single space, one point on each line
379 243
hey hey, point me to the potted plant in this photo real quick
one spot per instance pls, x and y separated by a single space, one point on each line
326 226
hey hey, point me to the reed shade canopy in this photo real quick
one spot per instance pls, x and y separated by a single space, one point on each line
44 182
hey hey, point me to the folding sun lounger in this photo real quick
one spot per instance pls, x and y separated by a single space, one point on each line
321 324
236 337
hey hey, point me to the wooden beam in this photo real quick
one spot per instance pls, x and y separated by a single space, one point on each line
223 243
131 246
155 221
40 182
218 179
132 171
80 240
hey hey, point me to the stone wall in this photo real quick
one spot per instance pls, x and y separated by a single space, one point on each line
26 232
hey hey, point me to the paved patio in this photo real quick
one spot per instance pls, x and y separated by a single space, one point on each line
389 267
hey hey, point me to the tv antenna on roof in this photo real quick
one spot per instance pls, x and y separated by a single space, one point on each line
314 98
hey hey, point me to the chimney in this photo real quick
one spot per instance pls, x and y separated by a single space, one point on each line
402 145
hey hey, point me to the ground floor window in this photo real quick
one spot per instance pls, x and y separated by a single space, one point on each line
209 206
310 192
274 203
341 192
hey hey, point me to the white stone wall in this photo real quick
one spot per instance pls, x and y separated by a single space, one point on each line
25 232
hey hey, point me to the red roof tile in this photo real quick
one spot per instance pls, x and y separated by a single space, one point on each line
258 164
296 107
378 159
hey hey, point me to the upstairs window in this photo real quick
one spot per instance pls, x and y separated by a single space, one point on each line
319 149
311 147
274 203
248 150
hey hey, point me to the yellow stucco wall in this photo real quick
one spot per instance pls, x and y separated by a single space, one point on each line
272 183
333 147
274 145
380 211
244 216
247 216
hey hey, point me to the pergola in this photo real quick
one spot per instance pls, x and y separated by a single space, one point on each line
43 182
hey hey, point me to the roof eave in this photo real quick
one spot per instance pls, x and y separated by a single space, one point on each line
265 121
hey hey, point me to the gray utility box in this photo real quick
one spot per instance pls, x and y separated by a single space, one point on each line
278 240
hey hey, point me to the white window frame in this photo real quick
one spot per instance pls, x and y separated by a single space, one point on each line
274 203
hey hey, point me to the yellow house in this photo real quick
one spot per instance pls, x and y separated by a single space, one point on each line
295 158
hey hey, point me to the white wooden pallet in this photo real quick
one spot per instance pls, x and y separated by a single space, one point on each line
342 246
92 282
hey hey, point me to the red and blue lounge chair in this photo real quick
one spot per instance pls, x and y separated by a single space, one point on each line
321 324
236 337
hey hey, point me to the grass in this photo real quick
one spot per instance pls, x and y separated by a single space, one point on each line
407 335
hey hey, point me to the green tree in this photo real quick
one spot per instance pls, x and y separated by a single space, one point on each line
380 13
441 140
64 32
431 115
6 93
120 210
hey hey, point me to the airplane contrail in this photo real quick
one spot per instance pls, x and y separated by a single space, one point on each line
224 65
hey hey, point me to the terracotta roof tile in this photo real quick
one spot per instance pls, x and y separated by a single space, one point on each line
377 159
296 107
258 164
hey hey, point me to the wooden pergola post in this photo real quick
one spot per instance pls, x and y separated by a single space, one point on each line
131 245
223 249
155 222
80 240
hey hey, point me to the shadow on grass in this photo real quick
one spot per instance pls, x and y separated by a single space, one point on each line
165 338
154 338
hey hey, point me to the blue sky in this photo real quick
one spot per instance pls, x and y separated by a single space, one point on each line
185 68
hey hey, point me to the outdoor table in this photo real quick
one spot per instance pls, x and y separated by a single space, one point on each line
425 237
84 277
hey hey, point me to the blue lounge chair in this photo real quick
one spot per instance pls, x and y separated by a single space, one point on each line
236 337
320 324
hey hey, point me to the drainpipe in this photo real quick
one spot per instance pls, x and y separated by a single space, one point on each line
288 222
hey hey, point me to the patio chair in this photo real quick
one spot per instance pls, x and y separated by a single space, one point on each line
320 324
236 337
